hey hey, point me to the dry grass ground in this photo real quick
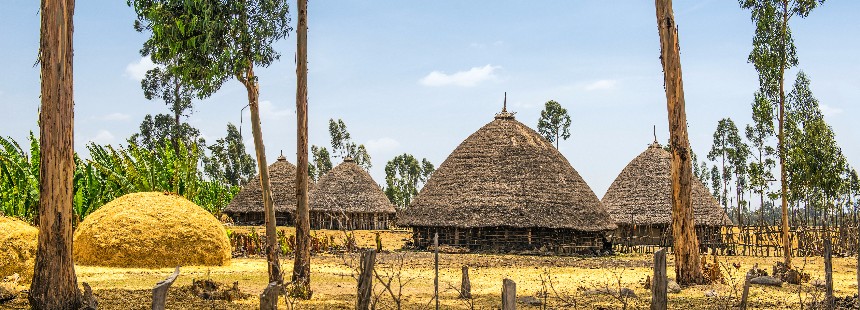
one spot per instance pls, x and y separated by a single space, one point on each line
334 288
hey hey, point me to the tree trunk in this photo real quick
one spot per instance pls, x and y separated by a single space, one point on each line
55 285
686 245
786 245
659 283
260 150
302 266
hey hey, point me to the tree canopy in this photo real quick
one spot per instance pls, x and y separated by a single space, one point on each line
554 122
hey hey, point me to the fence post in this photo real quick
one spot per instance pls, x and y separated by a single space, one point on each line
159 292
436 268
88 301
746 293
659 282
509 294
858 266
465 285
828 273
269 297
365 280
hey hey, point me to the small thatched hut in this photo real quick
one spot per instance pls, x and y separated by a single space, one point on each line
506 188
640 202
246 208
347 198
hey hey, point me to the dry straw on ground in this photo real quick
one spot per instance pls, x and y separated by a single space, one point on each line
18 242
151 230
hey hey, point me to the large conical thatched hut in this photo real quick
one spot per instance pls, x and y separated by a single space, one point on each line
640 202
347 198
246 208
506 188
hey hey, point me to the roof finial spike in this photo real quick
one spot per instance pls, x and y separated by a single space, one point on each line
505 103
655 133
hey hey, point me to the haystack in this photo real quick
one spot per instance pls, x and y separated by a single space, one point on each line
506 188
640 202
18 241
246 208
151 230
347 197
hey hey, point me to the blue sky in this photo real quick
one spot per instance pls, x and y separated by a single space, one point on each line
420 76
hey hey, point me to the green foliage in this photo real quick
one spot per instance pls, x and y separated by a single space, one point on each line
554 123
163 127
208 42
759 135
321 162
403 177
724 136
19 178
343 146
229 162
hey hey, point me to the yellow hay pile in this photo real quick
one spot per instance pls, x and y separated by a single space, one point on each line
18 242
151 230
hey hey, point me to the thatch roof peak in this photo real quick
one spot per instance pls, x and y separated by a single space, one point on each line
641 194
349 188
506 174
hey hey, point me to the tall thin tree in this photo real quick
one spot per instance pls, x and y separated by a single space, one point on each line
686 245
773 53
55 284
302 264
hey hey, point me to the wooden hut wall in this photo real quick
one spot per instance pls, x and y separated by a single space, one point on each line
627 236
350 221
258 218
511 239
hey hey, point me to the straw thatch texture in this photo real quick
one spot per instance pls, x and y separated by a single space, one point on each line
151 230
506 175
18 242
641 194
247 206
348 188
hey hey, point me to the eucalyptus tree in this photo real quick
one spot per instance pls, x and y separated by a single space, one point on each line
342 145
723 136
55 284
210 42
162 127
321 162
773 53
229 162
163 84
554 122
759 134
739 154
404 176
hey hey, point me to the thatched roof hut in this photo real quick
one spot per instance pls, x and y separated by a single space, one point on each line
640 202
506 176
246 208
642 193
347 195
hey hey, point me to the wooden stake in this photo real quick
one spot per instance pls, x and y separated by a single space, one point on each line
828 274
746 293
436 267
465 285
269 297
159 292
509 294
659 300
365 280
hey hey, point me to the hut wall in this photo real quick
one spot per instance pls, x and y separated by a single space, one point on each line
258 218
350 221
511 239
710 237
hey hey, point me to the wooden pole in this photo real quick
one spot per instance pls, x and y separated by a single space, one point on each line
436 268
686 245
828 274
509 294
746 293
302 264
659 300
365 280
159 292
465 285
269 297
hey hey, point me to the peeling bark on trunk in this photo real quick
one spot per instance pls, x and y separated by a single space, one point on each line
302 265
260 149
686 245
55 285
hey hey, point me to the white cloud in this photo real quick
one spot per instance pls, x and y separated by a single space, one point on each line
137 70
115 117
103 137
381 145
601 85
830 111
463 78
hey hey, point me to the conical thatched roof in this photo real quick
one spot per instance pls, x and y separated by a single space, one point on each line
506 174
643 190
282 178
348 188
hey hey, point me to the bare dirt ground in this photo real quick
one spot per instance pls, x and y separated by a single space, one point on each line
577 279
